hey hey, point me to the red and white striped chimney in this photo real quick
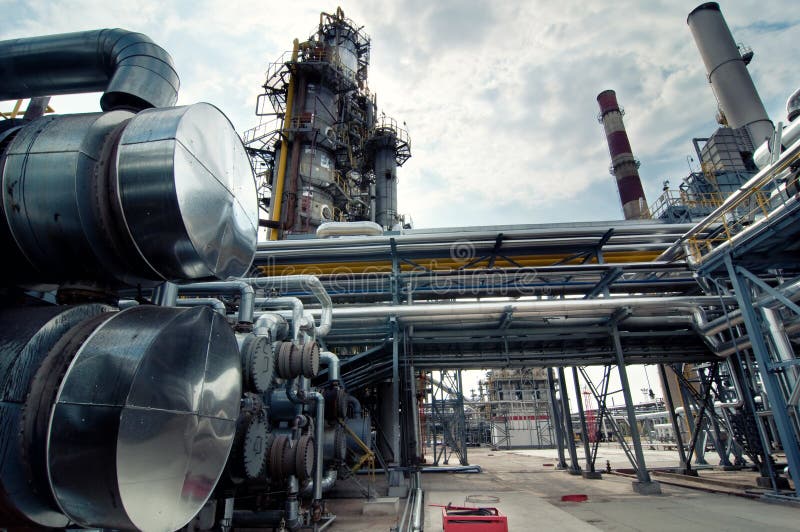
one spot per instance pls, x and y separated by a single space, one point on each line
624 166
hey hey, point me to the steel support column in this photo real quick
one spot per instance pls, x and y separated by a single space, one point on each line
558 424
645 484
590 471
574 467
686 467
780 413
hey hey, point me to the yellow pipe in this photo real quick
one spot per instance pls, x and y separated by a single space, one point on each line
277 194
384 266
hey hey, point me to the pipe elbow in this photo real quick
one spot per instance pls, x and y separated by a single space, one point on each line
332 362
143 76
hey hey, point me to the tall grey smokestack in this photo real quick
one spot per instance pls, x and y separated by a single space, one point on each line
727 73
623 165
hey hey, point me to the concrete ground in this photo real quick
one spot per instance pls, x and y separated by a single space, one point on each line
528 489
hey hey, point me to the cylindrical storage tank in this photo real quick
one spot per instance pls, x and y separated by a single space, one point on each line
342 44
144 450
166 194
727 72
623 164
320 107
317 165
385 163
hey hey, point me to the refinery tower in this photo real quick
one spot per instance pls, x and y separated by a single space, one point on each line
322 152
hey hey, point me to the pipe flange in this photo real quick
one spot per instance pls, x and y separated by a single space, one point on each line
284 355
280 449
255 447
296 361
339 444
258 362
310 360
335 404
304 454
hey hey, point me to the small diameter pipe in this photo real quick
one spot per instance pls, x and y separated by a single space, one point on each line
122 304
245 291
330 360
213 302
319 428
303 282
293 303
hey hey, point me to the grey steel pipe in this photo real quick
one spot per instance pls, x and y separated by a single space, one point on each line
271 324
328 481
283 302
134 72
330 360
304 282
416 511
244 290
531 308
212 302
165 294
319 430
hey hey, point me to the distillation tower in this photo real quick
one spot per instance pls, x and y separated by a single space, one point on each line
322 152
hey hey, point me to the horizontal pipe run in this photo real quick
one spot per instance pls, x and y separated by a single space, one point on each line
212 302
134 72
550 307
304 282
244 290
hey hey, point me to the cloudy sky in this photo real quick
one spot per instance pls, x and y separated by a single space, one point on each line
499 97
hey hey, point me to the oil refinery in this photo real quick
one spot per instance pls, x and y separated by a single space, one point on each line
205 329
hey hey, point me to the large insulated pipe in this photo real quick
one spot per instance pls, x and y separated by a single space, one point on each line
133 71
624 166
123 198
727 73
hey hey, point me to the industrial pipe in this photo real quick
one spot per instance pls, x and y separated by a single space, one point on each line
245 291
531 308
319 429
283 302
328 481
304 282
271 324
134 72
363 228
212 302
330 360
761 179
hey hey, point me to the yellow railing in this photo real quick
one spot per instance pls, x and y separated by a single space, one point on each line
672 198
759 201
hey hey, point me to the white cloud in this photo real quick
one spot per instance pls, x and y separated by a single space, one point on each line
499 97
